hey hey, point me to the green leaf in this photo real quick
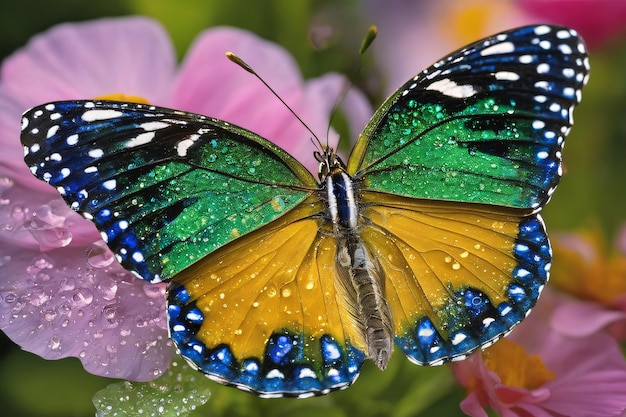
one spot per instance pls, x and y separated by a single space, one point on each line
175 394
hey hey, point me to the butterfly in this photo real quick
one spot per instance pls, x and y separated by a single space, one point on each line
429 239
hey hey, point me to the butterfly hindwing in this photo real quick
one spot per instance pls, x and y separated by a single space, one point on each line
262 312
459 275
485 124
164 187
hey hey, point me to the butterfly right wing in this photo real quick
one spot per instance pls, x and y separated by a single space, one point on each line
164 187
458 276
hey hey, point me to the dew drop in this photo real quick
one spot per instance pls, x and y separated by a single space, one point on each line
49 315
10 298
82 297
18 213
54 343
43 263
108 288
154 290
38 297
65 309
58 237
109 311
99 255
67 284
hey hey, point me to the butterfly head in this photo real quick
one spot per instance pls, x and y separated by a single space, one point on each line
329 162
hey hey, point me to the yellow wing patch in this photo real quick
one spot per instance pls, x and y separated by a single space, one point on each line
278 277
430 250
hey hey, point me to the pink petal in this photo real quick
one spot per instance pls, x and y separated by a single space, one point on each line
130 55
413 35
61 292
57 304
582 319
472 407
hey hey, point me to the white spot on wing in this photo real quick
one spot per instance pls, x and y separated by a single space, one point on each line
542 30
506 75
183 146
109 185
499 48
140 139
52 131
72 140
95 153
93 115
452 89
150 126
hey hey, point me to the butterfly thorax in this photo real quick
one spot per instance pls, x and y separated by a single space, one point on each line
360 278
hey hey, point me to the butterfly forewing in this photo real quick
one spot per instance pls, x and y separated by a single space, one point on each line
485 124
164 187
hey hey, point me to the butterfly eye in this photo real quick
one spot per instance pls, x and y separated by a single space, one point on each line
324 167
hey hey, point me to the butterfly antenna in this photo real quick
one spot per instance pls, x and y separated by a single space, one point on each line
237 60
369 37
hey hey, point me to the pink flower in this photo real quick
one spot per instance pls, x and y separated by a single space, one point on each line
538 371
584 269
61 291
598 21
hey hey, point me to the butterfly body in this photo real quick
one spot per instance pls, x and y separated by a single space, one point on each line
359 275
429 238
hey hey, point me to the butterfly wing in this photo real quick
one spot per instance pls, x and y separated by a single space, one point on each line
458 275
485 124
164 187
230 218
452 170
262 313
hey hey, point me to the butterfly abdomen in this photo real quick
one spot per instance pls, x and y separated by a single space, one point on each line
361 281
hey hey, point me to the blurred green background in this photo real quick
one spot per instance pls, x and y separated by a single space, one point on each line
590 195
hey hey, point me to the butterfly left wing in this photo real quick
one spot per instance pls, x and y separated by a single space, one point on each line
262 312
236 223
164 187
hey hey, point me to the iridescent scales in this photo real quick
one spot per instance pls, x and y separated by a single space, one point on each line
274 274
